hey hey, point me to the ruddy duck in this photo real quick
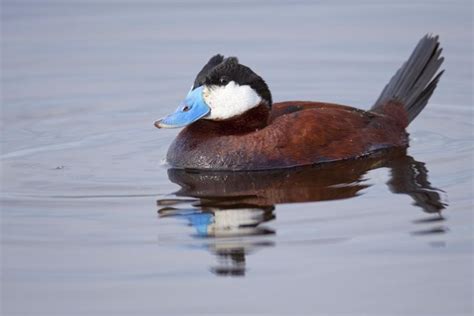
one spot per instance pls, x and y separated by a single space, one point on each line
232 123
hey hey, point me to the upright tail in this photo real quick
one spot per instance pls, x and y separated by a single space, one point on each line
414 83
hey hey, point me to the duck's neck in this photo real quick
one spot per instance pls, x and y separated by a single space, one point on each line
252 120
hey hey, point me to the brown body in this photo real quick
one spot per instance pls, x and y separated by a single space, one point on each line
296 133
290 134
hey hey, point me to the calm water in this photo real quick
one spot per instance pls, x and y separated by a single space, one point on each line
93 223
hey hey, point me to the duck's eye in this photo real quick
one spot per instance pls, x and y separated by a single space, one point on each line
224 80
186 108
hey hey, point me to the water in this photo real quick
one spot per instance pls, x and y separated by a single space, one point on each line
93 223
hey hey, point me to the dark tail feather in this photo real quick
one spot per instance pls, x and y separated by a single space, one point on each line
413 84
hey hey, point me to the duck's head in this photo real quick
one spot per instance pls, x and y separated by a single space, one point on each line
224 89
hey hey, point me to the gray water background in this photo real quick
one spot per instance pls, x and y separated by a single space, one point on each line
82 164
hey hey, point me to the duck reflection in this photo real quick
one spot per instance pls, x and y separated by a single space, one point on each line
230 208
227 224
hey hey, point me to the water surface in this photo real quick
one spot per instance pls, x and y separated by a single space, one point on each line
94 223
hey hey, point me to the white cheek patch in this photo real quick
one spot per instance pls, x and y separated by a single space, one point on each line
230 100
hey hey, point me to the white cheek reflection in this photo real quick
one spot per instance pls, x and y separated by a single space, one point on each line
235 222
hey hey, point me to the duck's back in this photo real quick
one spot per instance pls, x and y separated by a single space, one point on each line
337 132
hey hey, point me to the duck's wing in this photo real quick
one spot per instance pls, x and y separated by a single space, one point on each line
310 136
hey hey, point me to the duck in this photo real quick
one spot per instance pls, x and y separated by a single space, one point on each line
230 122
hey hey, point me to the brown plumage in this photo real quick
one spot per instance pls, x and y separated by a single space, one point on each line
297 133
